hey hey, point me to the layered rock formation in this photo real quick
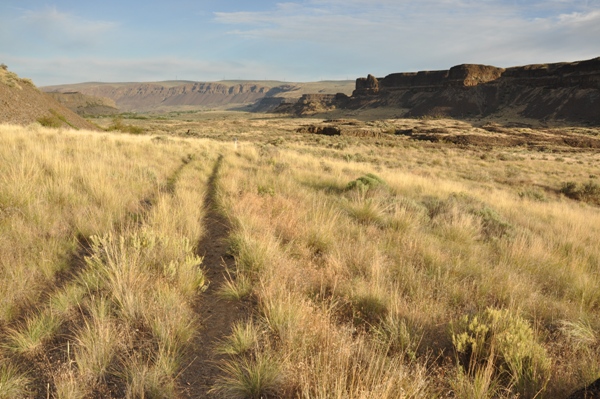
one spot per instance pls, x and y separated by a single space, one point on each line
259 96
151 96
561 91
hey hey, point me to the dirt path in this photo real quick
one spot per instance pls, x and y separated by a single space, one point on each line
217 315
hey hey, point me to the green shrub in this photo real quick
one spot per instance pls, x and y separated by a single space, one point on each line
366 182
54 120
117 124
49 121
519 360
493 225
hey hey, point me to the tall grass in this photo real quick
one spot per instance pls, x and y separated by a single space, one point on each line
389 267
123 317
375 268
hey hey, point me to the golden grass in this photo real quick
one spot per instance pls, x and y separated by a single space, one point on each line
391 268
355 289
126 313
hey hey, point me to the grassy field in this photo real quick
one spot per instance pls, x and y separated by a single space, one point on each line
380 267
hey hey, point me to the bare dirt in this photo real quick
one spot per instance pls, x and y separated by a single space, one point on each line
217 315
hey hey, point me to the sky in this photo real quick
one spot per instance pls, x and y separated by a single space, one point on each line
72 41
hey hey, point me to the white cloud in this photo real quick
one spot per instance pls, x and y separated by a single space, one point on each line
61 29
395 35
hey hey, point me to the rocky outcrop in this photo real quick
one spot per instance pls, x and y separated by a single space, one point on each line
546 92
366 87
310 104
346 127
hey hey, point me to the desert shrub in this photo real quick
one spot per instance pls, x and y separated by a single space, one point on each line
588 192
492 224
533 194
508 340
49 121
366 182
54 120
117 124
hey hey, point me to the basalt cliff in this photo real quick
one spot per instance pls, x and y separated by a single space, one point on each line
157 96
545 92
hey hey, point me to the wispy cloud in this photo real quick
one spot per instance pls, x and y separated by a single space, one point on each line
65 30
428 33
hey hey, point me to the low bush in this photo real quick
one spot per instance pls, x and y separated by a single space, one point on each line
117 124
366 182
508 340
54 120
588 192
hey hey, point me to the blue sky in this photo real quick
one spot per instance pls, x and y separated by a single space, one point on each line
70 41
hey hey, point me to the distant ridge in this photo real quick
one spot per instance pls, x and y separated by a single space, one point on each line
173 95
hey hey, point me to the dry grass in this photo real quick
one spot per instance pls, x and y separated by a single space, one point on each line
365 261
389 268
123 318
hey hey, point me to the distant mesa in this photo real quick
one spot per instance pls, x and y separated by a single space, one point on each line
567 91
258 96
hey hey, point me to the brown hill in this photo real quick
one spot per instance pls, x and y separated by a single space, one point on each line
173 95
547 92
22 103
83 104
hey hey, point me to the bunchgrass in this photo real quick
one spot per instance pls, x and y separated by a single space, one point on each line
246 378
13 384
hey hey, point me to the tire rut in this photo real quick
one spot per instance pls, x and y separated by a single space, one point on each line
217 315
44 366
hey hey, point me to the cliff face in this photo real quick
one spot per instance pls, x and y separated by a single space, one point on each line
162 96
561 91
149 96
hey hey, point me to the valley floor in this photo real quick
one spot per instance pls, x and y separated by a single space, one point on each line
231 255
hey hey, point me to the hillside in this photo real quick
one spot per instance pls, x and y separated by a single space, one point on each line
172 95
545 92
22 103
83 104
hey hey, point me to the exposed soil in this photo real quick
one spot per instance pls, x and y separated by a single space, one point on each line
216 314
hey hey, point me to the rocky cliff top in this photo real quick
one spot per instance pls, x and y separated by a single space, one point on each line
468 75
